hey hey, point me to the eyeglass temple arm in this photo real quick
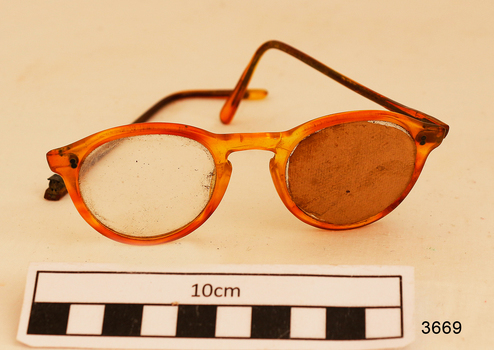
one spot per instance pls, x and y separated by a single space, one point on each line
230 107
57 189
253 94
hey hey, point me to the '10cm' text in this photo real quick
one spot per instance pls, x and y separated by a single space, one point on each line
208 290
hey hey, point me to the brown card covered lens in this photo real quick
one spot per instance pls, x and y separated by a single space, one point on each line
349 172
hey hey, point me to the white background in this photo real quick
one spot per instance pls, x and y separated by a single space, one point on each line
70 69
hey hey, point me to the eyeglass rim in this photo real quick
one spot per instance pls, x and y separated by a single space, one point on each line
220 146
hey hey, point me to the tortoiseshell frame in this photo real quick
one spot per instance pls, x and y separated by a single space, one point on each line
427 131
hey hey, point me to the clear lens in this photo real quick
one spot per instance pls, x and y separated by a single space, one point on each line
147 185
350 172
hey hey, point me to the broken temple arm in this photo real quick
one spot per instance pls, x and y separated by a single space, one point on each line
255 94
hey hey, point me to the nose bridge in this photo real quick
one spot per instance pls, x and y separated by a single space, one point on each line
267 141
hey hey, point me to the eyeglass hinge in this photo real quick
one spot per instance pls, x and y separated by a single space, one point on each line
430 136
56 189
73 161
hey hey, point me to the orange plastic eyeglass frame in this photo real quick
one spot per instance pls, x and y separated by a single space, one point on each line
427 132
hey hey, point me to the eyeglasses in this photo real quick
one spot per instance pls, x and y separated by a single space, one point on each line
149 183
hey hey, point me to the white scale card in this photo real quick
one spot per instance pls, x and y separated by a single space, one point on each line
218 307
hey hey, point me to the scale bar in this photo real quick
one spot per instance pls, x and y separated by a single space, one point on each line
207 321
220 307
